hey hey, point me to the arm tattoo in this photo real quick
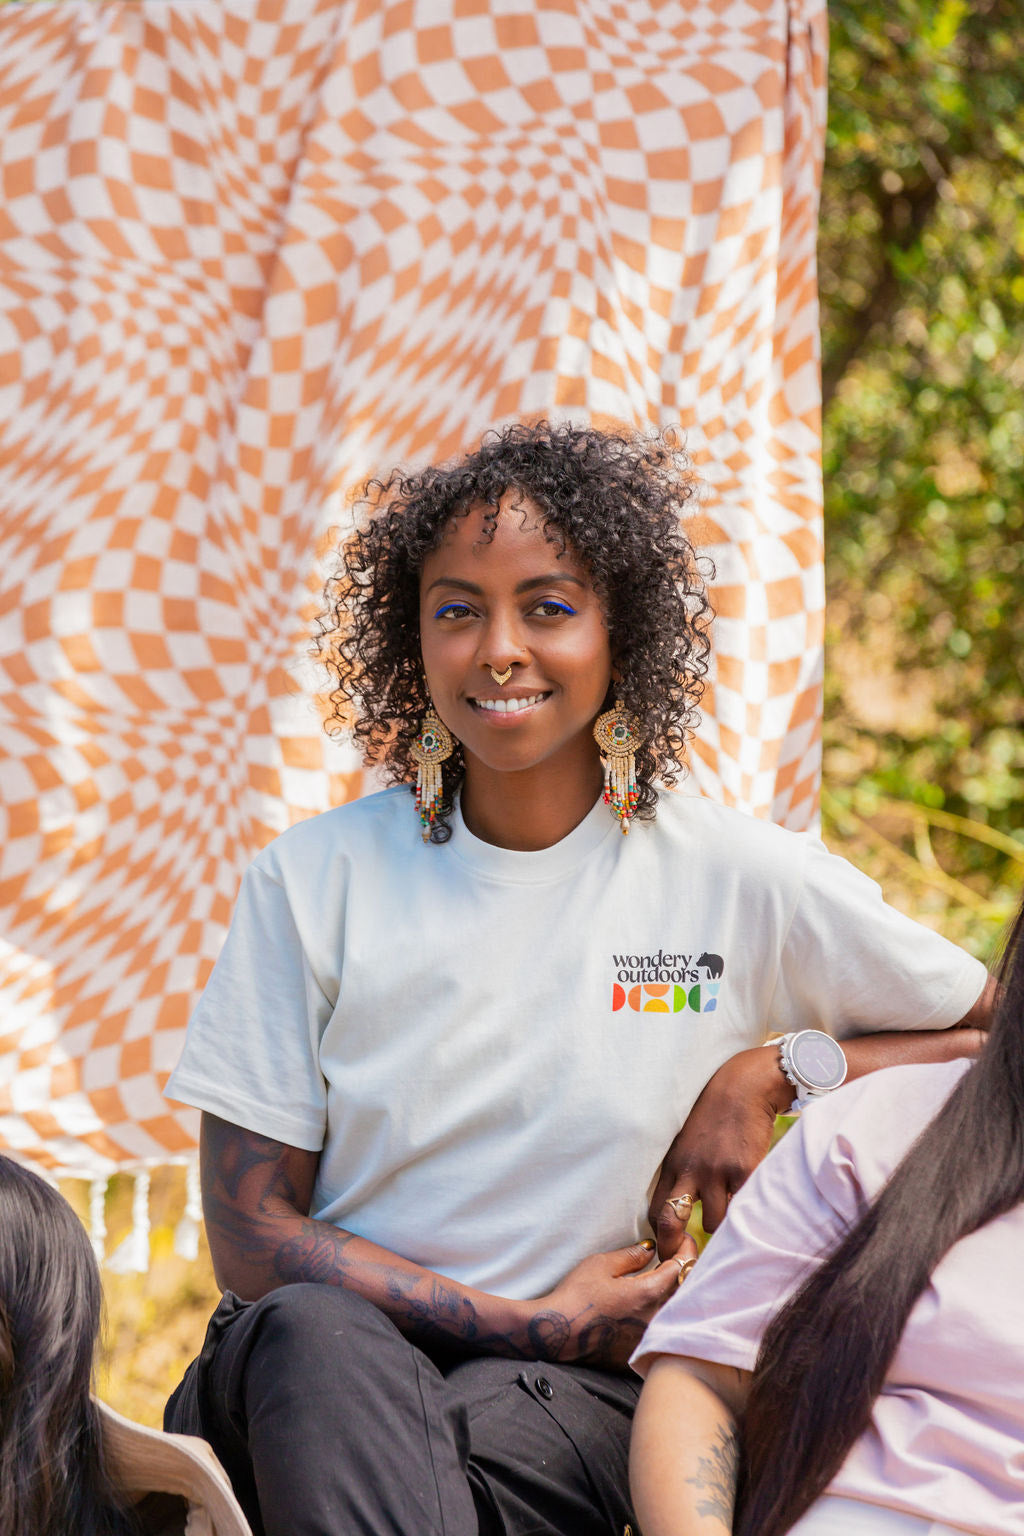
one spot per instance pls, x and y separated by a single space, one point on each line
235 1154
256 1194
603 1335
316 1253
716 1476
548 1333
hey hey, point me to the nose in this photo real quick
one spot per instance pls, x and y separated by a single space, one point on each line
502 642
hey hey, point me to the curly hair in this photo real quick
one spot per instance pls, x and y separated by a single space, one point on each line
615 500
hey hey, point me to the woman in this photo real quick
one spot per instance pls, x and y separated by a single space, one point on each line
52 1475
450 1037
887 1395
70 1466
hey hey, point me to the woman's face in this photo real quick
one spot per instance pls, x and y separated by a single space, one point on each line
513 601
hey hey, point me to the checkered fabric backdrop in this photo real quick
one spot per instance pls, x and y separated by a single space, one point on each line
249 253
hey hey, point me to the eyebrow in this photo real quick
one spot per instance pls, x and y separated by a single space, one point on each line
531 582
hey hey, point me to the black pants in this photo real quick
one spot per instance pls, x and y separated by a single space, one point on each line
330 1423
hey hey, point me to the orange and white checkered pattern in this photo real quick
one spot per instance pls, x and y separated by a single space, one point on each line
251 252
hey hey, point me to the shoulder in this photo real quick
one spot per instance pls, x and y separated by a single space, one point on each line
379 822
731 838
723 825
862 1131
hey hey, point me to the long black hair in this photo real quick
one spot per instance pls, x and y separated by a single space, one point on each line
616 500
52 1477
823 1359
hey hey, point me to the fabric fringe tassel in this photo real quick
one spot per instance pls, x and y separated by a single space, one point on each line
131 1257
98 1217
186 1233
132 1254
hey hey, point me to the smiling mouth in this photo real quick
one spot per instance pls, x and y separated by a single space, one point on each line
508 706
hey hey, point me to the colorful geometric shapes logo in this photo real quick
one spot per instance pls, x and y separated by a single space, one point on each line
666 997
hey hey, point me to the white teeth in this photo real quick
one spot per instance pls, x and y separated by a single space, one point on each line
508 706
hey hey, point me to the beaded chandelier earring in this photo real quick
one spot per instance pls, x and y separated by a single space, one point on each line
433 746
619 738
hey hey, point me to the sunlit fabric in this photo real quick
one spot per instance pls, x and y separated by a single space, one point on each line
251 252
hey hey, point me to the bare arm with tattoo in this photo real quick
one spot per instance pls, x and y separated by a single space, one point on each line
684 1455
256 1199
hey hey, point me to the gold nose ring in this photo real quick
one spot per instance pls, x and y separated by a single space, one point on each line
501 678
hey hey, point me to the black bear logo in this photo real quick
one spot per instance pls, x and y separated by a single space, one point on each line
714 965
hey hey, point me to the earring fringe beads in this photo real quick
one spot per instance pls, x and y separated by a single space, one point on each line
619 737
433 746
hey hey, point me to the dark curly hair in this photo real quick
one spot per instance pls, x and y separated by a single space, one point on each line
616 500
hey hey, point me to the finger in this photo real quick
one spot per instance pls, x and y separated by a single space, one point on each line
685 1267
672 1180
672 1220
662 1190
714 1205
626 1261
686 1251
681 1207
672 1273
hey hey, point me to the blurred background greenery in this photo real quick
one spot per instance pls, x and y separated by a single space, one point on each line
922 288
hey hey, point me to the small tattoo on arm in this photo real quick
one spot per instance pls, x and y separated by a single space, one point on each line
716 1477
548 1333
314 1254
234 1153
603 1339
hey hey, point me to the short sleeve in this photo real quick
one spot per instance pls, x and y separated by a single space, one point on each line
851 964
251 1053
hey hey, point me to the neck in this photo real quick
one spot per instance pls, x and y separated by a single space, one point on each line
531 809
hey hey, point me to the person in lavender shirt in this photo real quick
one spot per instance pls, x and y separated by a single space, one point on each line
879 1389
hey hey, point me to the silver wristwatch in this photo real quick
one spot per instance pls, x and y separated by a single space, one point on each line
813 1062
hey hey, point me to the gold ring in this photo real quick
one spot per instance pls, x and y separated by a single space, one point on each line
684 1269
681 1203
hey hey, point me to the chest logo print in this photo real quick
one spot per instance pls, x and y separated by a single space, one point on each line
667 983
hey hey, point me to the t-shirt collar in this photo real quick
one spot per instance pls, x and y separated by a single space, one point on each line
540 864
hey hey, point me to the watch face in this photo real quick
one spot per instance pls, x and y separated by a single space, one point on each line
818 1060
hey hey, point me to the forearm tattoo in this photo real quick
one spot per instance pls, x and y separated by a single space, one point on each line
257 1216
255 1213
716 1477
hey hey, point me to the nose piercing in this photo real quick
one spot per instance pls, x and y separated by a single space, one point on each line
501 678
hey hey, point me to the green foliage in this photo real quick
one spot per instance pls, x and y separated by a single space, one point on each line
922 285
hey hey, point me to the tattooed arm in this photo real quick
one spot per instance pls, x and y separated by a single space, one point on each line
684 1456
256 1199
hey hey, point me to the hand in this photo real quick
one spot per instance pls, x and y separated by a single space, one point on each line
596 1315
726 1134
